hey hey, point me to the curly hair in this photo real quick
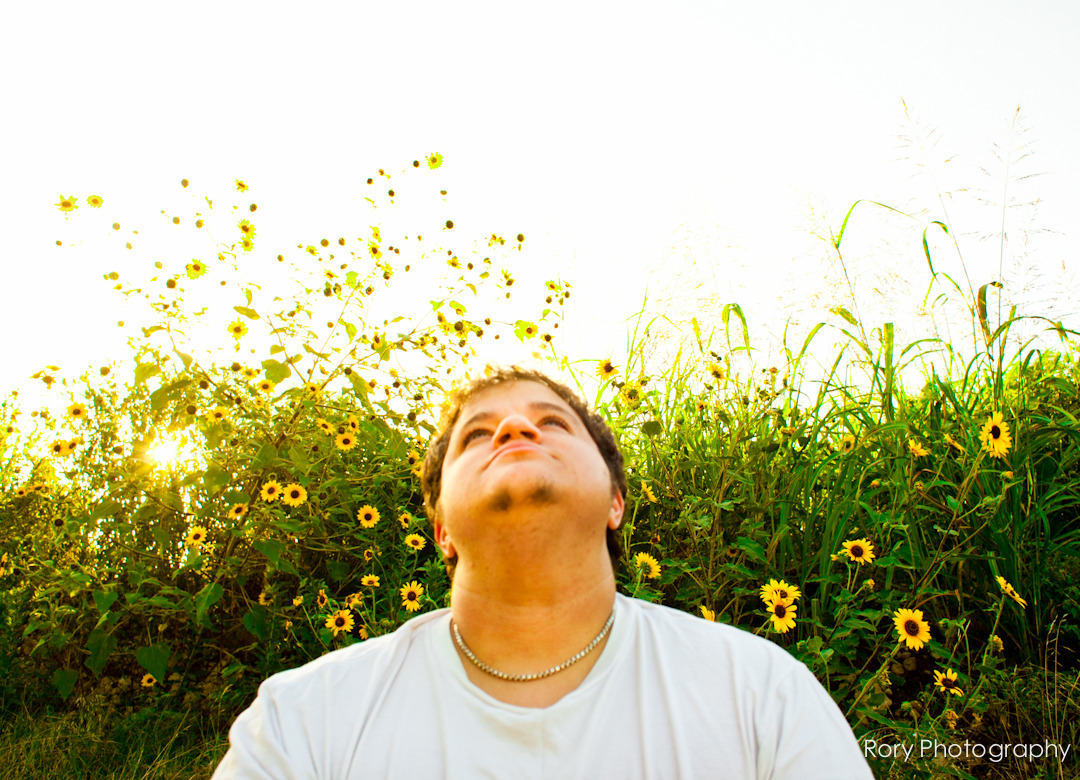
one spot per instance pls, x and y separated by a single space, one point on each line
602 436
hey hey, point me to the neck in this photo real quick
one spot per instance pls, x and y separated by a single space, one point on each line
524 620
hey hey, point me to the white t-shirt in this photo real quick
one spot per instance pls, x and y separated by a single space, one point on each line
672 695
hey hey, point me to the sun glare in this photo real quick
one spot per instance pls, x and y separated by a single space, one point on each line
171 450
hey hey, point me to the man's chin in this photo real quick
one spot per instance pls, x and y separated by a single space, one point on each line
541 494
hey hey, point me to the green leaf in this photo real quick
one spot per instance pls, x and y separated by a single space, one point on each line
352 279
216 478
186 359
64 680
524 329
251 314
104 600
257 623
266 455
752 548
100 645
154 658
338 570
842 312
458 308
106 508
207 597
350 330
275 348
652 428
271 548
144 371
276 372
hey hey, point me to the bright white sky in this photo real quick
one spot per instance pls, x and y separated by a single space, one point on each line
628 141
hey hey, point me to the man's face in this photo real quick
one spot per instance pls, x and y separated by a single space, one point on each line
519 457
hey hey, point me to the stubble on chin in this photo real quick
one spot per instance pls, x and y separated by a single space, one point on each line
541 494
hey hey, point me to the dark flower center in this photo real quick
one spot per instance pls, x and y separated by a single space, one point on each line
947 682
911 628
411 596
780 611
294 494
782 593
995 432
340 622
856 551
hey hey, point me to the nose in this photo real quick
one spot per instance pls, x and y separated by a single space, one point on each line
515 426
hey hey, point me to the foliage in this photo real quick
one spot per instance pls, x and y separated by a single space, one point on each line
845 521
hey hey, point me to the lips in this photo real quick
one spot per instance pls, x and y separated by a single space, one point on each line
517 446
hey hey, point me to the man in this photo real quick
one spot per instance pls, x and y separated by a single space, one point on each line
539 669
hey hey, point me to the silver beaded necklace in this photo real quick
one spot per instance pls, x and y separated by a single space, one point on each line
535 675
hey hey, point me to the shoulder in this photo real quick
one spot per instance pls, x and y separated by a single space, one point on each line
351 670
698 636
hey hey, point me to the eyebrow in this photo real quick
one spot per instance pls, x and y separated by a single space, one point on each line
535 406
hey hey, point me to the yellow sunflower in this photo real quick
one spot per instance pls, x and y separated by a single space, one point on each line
947 682
707 613
296 602
293 495
368 516
648 493
266 386
271 491
370 581
911 627
237 329
630 394
605 370
67 204
59 447
313 389
649 566
321 599
95 201
353 423
405 519
196 536
324 426
345 441
954 444
72 446
859 550
236 511
148 681
219 414
340 621
917 450
249 372
77 411
847 444
995 436
781 615
241 186
247 244
247 228
410 596
773 591
195 269
415 541
434 160
1008 590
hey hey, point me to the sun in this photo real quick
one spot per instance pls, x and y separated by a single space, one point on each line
173 449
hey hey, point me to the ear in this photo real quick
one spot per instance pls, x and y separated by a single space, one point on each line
615 514
442 538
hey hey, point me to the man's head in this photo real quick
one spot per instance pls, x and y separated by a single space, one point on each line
450 430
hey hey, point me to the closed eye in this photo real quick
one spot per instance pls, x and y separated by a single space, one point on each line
557 421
